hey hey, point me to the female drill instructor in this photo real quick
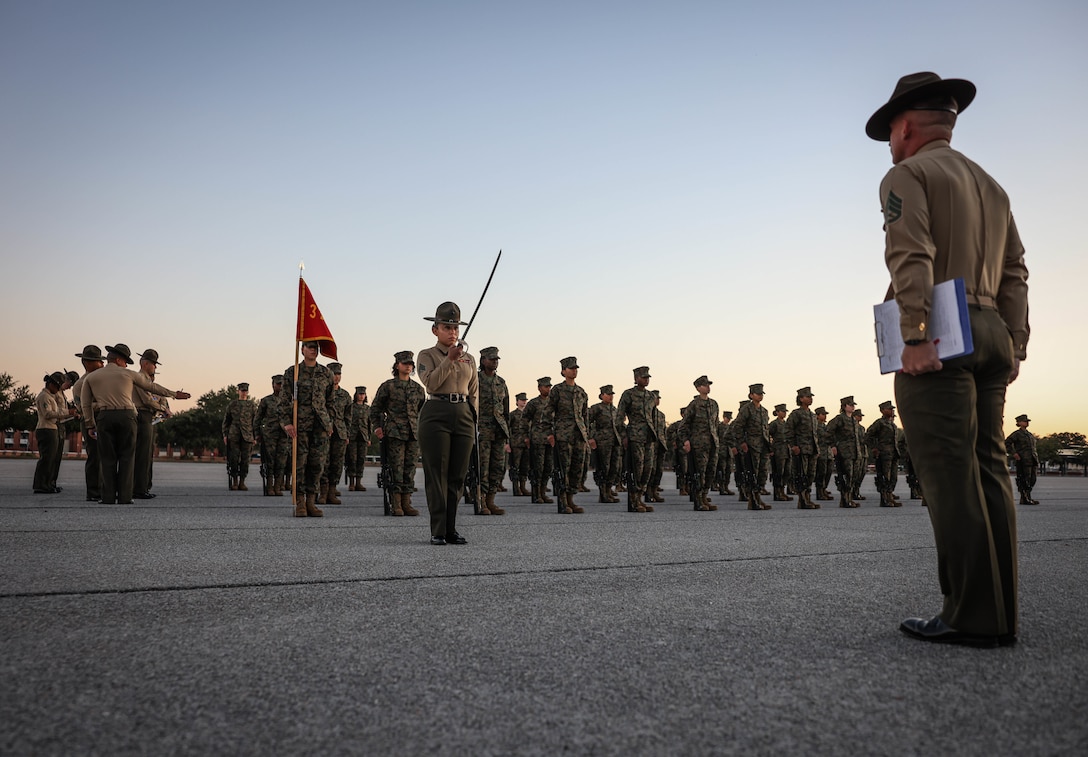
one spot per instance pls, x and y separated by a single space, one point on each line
447 422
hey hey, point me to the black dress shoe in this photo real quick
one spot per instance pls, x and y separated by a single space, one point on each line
92 499
43 491
144 495
438 541
456 538
57 489
939 632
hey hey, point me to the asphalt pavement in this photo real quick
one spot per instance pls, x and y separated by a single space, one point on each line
208 622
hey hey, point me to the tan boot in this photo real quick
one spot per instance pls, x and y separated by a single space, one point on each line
277 486
311 506
242 485
332 496
495 509
601 496
396 504
564 507
406 505
707 502
300 504
642 501
612 494
334 491
573 507
521 488
544 495
620 488
322 492
482 508
233 483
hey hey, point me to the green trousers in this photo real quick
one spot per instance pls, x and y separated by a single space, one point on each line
953 422
447 433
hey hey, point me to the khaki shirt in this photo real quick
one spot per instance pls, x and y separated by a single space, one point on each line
145 400
440 376
946 218
51 408
110 388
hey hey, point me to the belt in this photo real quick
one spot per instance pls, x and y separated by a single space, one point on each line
982 300
115 410
453 399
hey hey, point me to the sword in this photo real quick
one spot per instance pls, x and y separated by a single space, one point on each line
462 341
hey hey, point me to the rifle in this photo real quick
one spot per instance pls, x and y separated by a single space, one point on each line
472 478
559 478
629 477
881 479
746 474
385 478
912 478
695 478
594 461
265 469
798 462
841 477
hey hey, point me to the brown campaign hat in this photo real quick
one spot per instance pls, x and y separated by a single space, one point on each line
702 380
152 356
447 312
90 352
405 356
56 377
121 350
912 89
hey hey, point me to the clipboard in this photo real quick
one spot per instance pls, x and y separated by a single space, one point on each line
949 326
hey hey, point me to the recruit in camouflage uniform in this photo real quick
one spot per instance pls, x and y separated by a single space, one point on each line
274 447
803 442
780 454
653 492
394 416
569 435
340 412
639 436
494 430
238 433
842 439
861 464
882 439
1021 447
908 466
739 463
754 441
699 437
824 463
725 456
519 448
679 459
538 419
311 433
604 440
358 440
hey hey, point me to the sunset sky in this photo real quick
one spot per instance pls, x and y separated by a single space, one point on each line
683 185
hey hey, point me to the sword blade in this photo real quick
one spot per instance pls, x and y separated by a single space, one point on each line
488 284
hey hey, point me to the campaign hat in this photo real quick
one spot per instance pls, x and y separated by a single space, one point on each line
447 312
912 89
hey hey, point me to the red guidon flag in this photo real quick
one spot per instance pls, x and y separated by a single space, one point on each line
311 324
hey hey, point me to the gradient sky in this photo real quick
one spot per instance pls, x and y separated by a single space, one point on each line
684 185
